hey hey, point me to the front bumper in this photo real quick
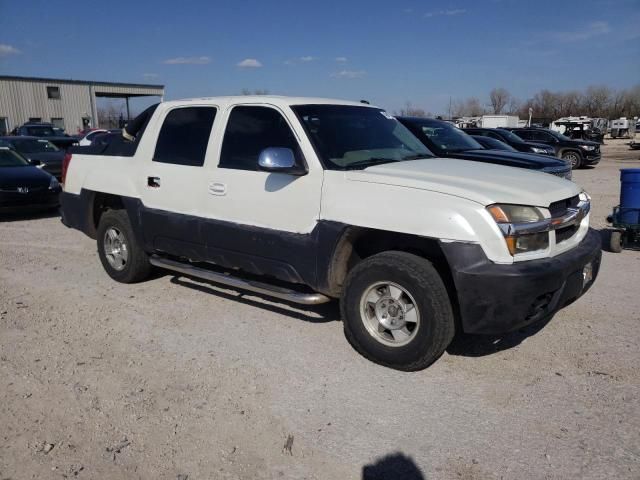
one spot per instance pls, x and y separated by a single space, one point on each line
495 298
33 199
591 158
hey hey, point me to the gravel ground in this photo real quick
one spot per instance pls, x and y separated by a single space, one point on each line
173 379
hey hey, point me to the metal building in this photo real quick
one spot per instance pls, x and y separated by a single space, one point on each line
68 104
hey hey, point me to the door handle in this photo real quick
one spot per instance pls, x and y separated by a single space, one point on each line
217 188
153 182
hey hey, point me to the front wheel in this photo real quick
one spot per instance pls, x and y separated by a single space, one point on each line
396 311
121 256
573 158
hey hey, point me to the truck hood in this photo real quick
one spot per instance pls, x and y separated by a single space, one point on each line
483 183
62 142
27 176
511 159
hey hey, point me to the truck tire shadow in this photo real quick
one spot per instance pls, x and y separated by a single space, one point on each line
397 466
466 345
327 312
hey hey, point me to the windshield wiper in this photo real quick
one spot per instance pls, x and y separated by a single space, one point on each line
417 156
369 162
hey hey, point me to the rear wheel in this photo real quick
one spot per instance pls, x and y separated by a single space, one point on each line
573 158
121 256
396 311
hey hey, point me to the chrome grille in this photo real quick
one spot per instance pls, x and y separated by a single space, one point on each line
566 233
559 208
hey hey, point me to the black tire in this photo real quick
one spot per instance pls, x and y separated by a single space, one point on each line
435 330
615 241
574 158
137 266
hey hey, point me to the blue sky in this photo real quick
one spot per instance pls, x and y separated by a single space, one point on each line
388 52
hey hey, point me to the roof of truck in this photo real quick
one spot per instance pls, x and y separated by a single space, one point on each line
271 99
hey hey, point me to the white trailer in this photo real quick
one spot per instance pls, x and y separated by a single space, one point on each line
622 128
499 121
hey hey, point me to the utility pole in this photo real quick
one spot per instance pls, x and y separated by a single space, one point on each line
449 107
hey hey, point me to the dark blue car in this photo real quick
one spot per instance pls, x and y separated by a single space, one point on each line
39 151
447 141
23 185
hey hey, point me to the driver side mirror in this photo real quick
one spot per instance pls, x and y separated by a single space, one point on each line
35 162
280 160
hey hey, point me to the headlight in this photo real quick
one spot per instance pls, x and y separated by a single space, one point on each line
538 150
528 243
53 184
515 213
588 148
518 224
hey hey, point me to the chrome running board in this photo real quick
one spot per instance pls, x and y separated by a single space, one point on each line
235 282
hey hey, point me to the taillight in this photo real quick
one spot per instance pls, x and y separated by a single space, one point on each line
65 165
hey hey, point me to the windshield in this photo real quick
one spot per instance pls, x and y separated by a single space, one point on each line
40 132
512 137
448 138
35 146
352 137
9 158
558 135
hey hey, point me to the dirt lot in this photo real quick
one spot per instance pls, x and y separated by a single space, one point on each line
172 379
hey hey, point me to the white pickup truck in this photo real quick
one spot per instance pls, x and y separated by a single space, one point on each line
308 200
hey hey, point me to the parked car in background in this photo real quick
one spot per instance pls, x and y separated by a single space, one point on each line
446 140
106 137
22 185
513 140
581 128
39 151
577 152
88 137
45 130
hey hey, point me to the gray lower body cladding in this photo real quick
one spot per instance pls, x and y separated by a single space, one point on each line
492 298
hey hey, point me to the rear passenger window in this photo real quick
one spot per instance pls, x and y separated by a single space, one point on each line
544 137
184 136
524 134
249 131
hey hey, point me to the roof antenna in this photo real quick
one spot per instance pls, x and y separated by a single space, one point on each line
366 102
